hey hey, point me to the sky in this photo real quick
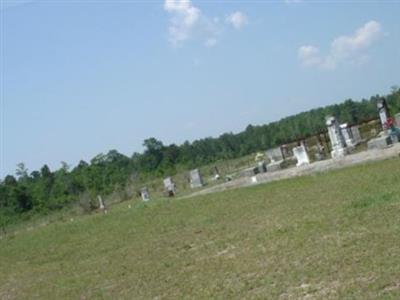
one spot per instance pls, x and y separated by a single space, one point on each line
83 77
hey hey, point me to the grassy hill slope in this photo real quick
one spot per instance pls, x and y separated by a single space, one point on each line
334 235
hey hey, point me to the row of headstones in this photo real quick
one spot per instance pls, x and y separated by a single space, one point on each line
278 155
343 140
342 137
196 181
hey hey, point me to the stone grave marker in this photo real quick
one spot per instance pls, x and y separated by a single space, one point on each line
102 206
262 167
384 139
144 192
101 202
336 137
249 172
276 158
355 131
169 186
347 135
196 180
217 175
301 155
275 154
383 111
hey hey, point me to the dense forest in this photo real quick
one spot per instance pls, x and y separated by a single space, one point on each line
43 191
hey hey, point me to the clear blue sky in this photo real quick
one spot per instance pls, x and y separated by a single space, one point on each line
84 77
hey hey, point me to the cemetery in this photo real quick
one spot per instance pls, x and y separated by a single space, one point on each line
340 145
189 149
218 230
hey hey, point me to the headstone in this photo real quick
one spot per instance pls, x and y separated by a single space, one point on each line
195 179
275 154
262 168
355 131
383 112
319 154
249 172
144 192
336 137
276 157
384 138
347 135
274 166
381 142
301 155
217 176
286 151
169 186
101 203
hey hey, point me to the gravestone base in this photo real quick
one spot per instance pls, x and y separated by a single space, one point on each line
338 153
262 168
350 147
249 172
274 166
381 142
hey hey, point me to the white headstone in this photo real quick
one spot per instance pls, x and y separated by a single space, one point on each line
276 157
144 192
275 154
383 112
195 179
301 155
347 135
355 131
262 167
336 137
101 203
169 186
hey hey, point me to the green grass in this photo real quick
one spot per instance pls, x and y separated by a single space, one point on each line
334 235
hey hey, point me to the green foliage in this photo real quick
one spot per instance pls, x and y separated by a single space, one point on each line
43 191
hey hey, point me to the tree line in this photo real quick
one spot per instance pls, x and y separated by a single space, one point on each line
43 191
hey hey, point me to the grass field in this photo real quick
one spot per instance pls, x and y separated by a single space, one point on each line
334 235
